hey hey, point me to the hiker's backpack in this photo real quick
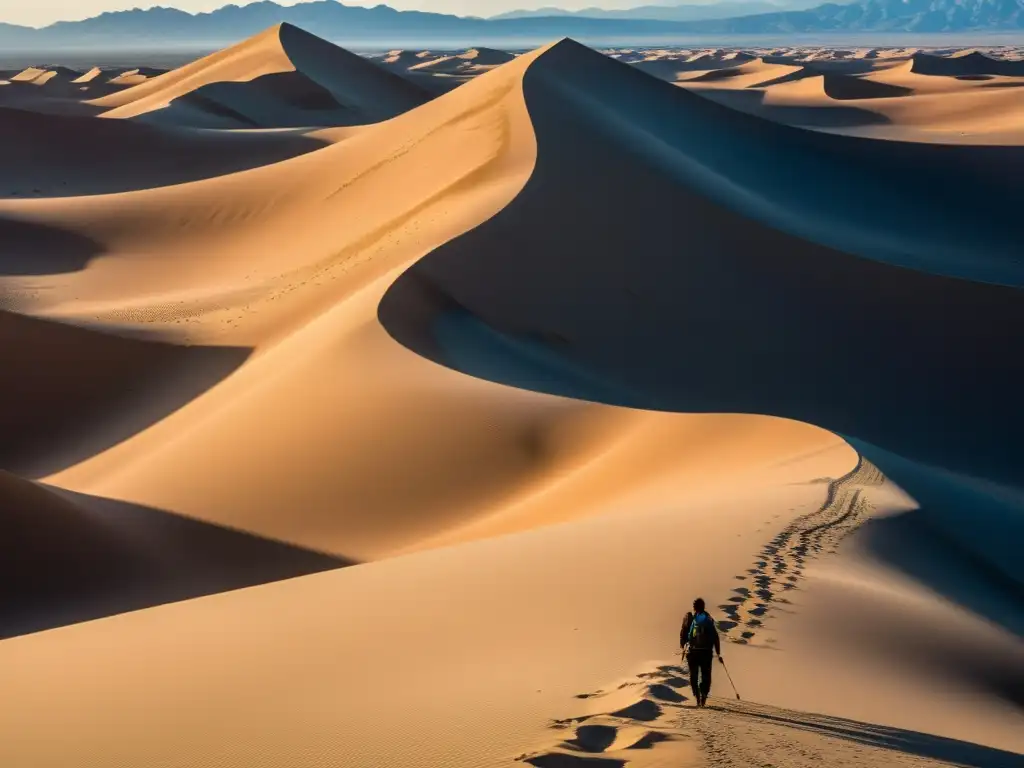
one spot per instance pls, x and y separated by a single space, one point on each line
701 635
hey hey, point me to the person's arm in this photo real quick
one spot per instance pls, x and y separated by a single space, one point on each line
718 642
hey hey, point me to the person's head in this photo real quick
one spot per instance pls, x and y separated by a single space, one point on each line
698 605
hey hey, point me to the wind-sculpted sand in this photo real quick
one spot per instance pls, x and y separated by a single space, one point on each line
391 410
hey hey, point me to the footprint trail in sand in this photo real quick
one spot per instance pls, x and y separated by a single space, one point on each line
628 721
780 565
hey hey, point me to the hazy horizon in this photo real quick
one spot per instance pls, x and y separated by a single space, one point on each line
49 11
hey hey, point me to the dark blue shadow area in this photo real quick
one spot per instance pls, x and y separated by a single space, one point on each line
68 392
67 558
947 209
978 521
519 362
31 248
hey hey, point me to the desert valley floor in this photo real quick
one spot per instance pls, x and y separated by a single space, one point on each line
390 410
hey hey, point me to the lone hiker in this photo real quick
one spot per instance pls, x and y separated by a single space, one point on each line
699 633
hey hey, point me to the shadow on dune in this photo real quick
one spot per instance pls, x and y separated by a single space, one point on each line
564 760
67 558
950 751
32 248
64 155
278 100
965 544
830 116
846 88
658 288
67 393
968 65
913 544
44 100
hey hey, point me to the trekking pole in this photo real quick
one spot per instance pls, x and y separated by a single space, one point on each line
722 662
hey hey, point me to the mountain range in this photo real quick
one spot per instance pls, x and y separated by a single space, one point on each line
724 9
382 25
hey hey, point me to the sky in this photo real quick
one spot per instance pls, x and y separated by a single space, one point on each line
37 13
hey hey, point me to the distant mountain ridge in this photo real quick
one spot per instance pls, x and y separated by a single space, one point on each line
382 25
690 12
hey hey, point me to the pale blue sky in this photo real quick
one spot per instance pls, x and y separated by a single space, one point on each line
40 12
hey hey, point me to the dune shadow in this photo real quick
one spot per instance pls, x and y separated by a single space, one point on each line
563 760
950 751
276 100
824 116
47 100
913 545
594 738
847 88
975 519
66 155
68 393
33 248
978 569
66 558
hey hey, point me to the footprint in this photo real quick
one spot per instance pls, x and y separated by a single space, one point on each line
664 693
644 710
563 760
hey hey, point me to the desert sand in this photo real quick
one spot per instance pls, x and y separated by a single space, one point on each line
391 410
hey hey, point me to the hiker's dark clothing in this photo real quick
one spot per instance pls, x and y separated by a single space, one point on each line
700 661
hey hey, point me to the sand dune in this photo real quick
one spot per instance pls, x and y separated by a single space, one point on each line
283 77
473 61
89 76
39 76
964 64
500 441
403 59
135 76
504 350
56 89
752 73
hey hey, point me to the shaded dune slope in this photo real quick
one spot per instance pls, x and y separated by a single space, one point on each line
67 558
282 77
62 155
67 392
715 299
967 64
879 200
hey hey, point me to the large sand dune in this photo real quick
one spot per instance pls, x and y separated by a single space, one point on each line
661 303
283 77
